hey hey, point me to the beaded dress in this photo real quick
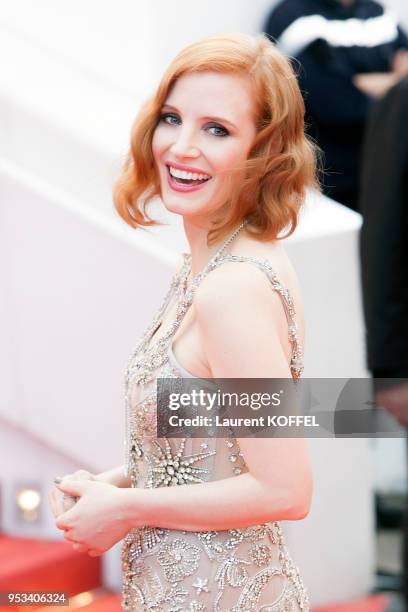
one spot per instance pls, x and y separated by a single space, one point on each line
166 570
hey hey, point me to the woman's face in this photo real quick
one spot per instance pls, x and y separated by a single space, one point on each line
206 128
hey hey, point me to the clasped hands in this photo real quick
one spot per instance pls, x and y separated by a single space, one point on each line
96 521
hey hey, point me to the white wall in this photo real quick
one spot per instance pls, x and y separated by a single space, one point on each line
107 41
34 464
123 44
400 8
80 290
68 266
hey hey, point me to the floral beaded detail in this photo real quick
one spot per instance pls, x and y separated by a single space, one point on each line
168 468
165 570
235 456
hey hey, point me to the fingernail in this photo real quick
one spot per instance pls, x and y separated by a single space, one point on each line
58 479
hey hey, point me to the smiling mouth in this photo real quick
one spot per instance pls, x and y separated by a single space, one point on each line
177 177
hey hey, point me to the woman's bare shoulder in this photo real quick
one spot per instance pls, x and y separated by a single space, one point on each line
245 286
242 272
243 327
275 253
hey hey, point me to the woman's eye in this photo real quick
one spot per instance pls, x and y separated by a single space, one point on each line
172 119
219 130
168 118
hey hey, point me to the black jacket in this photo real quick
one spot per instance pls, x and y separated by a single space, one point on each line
321 35
384 235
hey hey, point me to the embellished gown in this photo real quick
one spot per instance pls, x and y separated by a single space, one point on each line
167 570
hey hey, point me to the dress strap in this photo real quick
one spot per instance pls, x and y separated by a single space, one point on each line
296 362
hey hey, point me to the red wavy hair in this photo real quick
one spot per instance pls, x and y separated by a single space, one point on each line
281 163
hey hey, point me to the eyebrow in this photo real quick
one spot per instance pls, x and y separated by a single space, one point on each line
220 119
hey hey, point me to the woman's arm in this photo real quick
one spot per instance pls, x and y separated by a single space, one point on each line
238 501
278 485
115 476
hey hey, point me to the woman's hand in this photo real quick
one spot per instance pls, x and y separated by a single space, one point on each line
400 62
395 400
58 503
375 84
97 521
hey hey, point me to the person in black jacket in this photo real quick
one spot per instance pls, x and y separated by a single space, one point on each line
350 51
384 257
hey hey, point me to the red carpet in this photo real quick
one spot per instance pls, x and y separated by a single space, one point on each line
111 603
373 603
103 602
40 565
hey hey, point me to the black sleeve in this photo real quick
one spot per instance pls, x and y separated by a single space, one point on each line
384 235
281 17
330 96
402 39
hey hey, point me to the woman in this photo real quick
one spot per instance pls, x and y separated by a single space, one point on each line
222 143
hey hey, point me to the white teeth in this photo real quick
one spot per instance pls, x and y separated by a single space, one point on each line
187 175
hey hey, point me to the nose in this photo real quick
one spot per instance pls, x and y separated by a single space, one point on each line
184 144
